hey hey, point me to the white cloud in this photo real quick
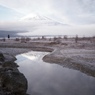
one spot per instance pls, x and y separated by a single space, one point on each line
27 6
44 29
68 11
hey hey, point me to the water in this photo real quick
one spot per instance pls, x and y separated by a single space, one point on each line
52 79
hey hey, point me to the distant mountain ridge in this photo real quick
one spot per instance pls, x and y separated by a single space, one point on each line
35 17
40 19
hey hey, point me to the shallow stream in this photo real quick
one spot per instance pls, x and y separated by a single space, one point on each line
52 79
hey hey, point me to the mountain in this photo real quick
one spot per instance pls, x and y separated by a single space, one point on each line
34 17
33 24
42 20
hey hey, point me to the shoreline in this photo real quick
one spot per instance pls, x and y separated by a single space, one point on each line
82 59
54 57
80 56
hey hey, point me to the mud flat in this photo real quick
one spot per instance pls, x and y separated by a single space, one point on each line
75 57
79 56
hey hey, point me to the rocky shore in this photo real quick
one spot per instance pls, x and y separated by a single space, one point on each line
12 81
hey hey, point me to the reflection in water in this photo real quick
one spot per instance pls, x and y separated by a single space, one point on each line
51 79
29 57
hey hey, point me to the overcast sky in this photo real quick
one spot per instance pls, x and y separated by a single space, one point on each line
71 12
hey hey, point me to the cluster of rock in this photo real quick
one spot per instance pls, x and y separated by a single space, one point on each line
12 82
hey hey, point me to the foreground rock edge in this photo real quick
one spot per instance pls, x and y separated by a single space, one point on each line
12 81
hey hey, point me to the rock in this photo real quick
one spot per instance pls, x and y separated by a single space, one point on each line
12 82
0 63
1 57
9 57
10 64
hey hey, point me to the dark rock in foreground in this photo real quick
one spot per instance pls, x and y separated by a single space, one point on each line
12 82
1 57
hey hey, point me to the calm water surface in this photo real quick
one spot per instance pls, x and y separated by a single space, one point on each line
52 79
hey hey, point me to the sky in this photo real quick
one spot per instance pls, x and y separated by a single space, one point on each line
71 12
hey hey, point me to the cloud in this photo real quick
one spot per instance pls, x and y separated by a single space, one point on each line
76 11
27 6
67 11
30 28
